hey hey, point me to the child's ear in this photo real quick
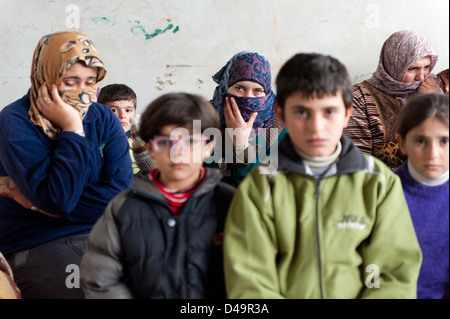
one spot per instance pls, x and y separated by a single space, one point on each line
279 113
401 144
148 146
208 149
348 115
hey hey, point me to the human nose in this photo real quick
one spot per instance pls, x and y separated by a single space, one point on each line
177 147
420 75
433 151
316 123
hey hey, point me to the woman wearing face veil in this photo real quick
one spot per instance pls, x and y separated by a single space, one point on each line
64 157
244 102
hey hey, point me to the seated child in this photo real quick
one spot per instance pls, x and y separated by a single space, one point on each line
422 135
330 222
163 237
121 99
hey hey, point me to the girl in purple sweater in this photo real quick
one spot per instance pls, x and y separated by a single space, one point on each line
422 135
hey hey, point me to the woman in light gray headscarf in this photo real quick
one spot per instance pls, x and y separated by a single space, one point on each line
404 69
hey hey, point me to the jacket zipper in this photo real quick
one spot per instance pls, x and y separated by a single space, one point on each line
317 236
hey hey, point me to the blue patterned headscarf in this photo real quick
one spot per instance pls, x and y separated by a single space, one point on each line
246 66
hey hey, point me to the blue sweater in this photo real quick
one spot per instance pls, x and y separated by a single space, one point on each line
71 176
429 211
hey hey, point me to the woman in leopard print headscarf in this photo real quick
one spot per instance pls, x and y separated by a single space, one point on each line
63 158
54 55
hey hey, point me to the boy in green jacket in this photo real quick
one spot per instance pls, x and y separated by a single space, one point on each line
328 221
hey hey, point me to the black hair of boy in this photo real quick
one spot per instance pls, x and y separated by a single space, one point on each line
179 109
116 92
315 76
421 108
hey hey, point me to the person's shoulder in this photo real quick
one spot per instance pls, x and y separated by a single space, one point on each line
16 115
225 188
378 168
117 202
101 109
18 106
258 179
102 114
361 89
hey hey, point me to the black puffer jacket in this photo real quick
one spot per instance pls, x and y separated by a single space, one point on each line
140 249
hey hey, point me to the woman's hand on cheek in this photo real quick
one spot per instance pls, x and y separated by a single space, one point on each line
235 121
57 111
429 86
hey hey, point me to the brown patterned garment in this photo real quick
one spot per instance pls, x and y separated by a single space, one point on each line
372 125
8 288
443 75
377 101
53 56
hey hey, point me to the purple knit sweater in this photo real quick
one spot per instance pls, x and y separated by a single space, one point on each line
429 211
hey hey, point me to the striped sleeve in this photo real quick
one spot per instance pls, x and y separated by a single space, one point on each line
364 127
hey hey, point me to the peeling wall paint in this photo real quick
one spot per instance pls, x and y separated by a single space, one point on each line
161 46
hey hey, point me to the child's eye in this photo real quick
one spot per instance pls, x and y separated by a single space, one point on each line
115 111
165 143
301 112
192 140
444 140
420 141
129 110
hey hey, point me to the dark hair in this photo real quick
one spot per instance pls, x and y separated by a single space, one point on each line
116 92
177 109
421 108
313 75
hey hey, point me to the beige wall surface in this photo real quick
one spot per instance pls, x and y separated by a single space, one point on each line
161 46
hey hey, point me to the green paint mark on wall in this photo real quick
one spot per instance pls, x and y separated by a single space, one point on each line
103 20
139 29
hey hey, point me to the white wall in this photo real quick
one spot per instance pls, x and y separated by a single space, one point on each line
210 32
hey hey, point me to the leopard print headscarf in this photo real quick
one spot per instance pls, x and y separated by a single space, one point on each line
53 56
